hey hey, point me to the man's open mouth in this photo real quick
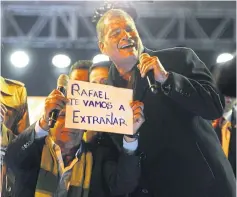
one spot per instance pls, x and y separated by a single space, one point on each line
131 45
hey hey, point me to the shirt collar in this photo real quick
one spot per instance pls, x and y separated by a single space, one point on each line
227 115
4 87
55 146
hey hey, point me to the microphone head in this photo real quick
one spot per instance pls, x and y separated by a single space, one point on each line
62 80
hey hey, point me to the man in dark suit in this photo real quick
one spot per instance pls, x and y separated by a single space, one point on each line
182 154
56 162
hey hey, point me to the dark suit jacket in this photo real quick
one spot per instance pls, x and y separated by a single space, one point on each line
182 154
114 173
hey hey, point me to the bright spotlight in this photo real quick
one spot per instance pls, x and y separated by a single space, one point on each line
224 57
61 61
19 59
100 58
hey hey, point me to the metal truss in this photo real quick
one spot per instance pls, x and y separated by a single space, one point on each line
75 19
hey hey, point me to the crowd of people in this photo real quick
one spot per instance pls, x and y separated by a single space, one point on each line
184 138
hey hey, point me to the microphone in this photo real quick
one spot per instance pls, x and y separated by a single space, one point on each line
62 87
150 78
152 82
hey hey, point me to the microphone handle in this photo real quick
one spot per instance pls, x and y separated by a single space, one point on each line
55 112
53 118
151 82
62 89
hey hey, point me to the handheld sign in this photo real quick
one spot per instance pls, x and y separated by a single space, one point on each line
99 107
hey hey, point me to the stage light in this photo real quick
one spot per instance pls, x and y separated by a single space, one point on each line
61 61
224 57
19 59
100 58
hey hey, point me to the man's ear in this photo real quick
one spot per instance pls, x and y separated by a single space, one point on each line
101 47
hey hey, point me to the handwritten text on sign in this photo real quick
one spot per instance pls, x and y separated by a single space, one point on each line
99 108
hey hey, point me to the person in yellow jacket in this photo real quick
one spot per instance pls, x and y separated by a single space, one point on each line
225 128
14 120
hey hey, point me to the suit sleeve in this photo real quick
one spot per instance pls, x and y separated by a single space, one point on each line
23 121
24 151
122 176
193 88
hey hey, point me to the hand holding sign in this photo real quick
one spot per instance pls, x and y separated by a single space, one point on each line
138 118
138 115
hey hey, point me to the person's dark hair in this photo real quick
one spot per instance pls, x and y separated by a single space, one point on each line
80 64
111 13
99 12
104 64
113 9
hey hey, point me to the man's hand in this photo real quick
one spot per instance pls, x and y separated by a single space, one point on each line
148 63
55 100
138 118
2 113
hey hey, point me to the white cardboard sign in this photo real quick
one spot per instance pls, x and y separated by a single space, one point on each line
99 107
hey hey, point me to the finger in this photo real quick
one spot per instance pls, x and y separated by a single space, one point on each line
137 111
144 62
50 109
3 112
4 107
50 106
137 102
143 66
56 92
58 97
2 116
138 106
143 56
51 103
138 118
133 103
59 107
61 98
146 66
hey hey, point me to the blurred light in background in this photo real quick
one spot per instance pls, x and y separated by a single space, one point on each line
224 57
35 107
61 61
100 58
19 59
